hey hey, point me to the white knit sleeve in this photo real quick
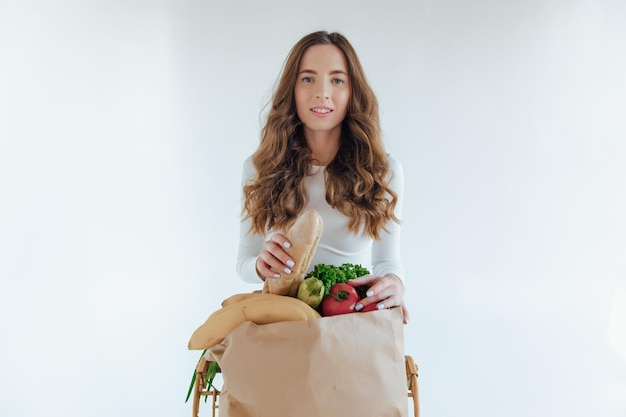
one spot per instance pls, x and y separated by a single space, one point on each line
250 245
386 257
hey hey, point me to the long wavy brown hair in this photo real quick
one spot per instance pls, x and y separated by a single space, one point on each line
357 178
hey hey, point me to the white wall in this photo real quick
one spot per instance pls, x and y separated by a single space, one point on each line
123 126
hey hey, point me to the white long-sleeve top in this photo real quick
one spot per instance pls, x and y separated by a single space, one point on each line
337 245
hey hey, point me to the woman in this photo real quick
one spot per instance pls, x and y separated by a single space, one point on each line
321 149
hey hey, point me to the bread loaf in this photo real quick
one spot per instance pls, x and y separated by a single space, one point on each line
304 236
254 307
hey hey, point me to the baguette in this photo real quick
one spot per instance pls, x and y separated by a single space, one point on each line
304 236
254 307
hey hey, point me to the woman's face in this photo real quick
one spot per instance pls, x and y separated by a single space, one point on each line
322 90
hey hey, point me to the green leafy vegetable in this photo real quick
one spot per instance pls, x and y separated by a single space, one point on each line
331 274
209 377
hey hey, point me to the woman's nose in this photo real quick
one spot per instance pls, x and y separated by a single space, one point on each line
323 92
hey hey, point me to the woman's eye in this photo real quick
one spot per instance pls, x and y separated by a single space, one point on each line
307 79
339 81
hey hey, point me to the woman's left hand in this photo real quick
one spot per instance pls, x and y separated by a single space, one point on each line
387 292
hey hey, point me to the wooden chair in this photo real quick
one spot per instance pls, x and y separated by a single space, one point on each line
202 389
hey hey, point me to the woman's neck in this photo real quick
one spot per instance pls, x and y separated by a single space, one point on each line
324 146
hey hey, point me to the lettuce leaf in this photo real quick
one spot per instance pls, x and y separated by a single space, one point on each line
332 274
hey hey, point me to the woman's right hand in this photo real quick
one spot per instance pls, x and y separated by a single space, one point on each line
273 261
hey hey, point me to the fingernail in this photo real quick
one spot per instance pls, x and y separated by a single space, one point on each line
276 275
380 306
287 244
358 307
290 263
287 271
369 293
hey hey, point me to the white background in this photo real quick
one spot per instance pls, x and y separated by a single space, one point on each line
123 127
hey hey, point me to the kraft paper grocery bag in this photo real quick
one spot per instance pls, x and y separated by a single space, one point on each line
350 365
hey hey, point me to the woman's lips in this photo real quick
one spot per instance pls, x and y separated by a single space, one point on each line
321 111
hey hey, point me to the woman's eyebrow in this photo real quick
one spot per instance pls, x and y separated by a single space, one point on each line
310 71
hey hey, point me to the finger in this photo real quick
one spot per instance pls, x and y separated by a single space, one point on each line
265 270
393 301
281 240
276 258
363 280
270 267
381 288
384 299
375 290
276 248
